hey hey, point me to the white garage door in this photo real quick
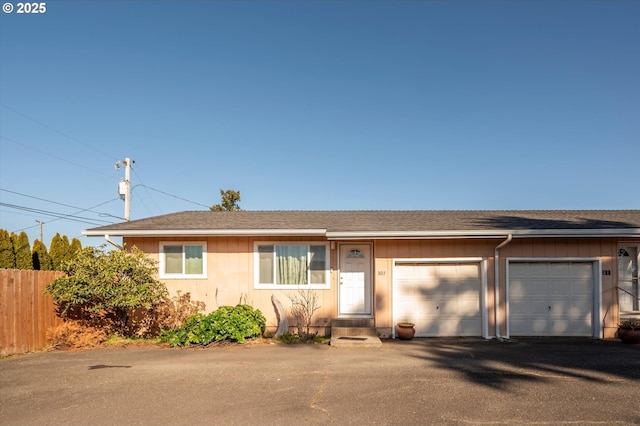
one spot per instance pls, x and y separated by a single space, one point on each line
442 299
551 298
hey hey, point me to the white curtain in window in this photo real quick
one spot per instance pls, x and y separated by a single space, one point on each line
172 259
193 259
291 264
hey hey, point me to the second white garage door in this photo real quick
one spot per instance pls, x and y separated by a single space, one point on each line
551 298
442 299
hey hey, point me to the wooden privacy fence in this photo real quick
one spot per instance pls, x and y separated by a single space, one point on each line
25 311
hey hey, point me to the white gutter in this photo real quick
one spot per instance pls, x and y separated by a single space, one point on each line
496 282
113 243
209 232
525 233
363 235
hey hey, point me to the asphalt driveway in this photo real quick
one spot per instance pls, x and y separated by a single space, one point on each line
423 381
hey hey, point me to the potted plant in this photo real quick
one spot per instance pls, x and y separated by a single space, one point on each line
629 331
405 330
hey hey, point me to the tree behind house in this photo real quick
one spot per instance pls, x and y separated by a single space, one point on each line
7 255
15 252
22 251
41 258
58 250
229 201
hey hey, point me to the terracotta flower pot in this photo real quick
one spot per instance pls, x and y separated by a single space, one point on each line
405 330
628 335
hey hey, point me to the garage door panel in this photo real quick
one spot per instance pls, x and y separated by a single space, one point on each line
516 288
560 327
581 287
539 326
582 270
537 288
449 327
469 308
518 323
442 299
580 310
469 327
464 285
559 270
521 307
538 306
426 328
559 303
560 288
528 270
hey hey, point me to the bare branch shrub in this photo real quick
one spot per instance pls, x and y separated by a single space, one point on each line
169 314
303 305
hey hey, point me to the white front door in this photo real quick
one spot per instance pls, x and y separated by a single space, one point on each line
355 279
628 279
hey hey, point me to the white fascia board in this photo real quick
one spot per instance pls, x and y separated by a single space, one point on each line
209 233
522 233
388 235
363 235
628 232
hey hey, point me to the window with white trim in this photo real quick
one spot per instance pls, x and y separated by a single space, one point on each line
183 260
280 265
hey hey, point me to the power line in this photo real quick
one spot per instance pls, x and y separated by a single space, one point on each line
46 126
174 196
146 190
64 205
53 156
58 216
62 216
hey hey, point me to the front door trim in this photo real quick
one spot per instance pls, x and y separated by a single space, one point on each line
368 286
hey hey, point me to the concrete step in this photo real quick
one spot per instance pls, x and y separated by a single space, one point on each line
354 332
353 322
355 341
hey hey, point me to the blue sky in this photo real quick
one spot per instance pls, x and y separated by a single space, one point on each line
322 105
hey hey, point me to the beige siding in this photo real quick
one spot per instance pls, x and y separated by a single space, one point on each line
230 272
230 278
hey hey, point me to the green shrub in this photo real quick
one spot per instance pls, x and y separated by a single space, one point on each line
105 289
226 323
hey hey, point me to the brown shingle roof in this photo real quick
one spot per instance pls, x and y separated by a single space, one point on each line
420 222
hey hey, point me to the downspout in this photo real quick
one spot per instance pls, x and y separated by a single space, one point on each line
113 243
496 282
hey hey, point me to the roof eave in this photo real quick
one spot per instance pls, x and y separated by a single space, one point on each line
360 235
458 234
206 232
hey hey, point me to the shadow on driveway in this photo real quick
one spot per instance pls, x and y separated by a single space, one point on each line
499 365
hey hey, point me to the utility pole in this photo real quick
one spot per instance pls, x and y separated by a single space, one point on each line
40 222
124 187
127 195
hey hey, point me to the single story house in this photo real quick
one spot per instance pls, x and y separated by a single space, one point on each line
452 273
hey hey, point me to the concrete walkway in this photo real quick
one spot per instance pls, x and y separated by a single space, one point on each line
423 381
